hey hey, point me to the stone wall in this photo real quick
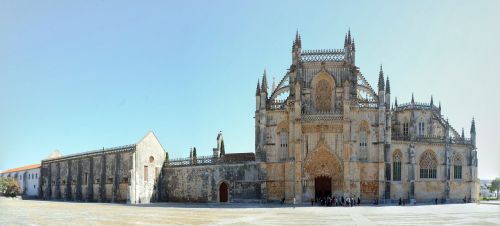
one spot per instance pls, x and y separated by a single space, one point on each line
202 183
102 177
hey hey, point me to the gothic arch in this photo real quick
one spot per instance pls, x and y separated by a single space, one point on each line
458 159
428 164
282 126
223 191
397 156
428 160
321 162
323 91
364 125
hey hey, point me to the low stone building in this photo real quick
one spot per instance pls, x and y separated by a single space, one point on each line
120 174
27 177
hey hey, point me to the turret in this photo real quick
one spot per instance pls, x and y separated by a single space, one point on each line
349 48
473 133
387 93
381 92
263 91
219 150
257 96
296 48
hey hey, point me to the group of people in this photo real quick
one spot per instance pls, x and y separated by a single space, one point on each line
336 201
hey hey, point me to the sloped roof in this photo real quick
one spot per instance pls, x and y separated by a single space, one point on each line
28 167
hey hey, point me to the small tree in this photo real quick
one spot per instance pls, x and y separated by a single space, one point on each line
9 187
194 156
495 186
222 150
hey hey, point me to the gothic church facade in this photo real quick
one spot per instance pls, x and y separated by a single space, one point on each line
323 130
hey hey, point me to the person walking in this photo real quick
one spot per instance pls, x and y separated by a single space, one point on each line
294 202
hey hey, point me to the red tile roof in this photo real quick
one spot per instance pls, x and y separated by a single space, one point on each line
28 167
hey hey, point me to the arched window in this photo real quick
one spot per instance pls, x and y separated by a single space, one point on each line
323 96
428 165
457 166
421 128
396 165
283 144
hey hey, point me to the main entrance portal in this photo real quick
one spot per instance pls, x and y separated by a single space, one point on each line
322 186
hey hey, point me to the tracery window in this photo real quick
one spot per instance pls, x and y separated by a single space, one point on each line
457 167
323 96
428 165
283 144
405 129
396 165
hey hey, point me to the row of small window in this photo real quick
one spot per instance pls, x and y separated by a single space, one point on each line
97 181
424 173
30 176
421 129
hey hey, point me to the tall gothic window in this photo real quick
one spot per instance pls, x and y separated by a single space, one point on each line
457 167
323 96
284 144
396 166
363 141
421 128
428 165
405 129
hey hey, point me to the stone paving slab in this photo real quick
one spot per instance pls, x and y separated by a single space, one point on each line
32 212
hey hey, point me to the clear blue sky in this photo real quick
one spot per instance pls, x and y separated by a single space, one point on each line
82 75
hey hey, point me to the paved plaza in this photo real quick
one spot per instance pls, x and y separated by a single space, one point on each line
31 212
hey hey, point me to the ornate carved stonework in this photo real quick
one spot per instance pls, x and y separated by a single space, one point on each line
323 96
322 162
322 128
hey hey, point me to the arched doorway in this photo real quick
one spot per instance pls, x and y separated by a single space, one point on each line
322 186
223 192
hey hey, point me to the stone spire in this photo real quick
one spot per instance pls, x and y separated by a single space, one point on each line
412 99
353 45
257 92
381 79
439 106
349 36
396 102
463 135
345 40
297 42
264 82
432 101
387 86
473 126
